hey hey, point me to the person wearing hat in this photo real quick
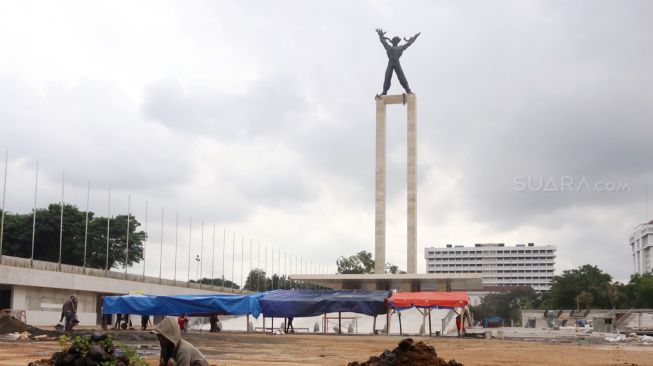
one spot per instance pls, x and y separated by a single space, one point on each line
174 350
394 52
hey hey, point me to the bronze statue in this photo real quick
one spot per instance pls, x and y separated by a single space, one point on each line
394 52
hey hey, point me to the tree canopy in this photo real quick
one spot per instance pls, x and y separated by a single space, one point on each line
362 262
17 239
583 287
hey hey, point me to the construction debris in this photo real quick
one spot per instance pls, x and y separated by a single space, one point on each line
630 338
10 326
408 353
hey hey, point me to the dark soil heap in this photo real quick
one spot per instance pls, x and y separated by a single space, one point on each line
9 324
408 354
92 350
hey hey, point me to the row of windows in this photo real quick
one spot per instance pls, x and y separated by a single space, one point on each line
494 258
527 251
444 270
491 265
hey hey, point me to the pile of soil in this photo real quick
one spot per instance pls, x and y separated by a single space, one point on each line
90 350
408 354
9 324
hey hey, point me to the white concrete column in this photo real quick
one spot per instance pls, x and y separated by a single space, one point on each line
379 221
411 185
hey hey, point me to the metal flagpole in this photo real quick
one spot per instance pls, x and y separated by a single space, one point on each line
201 255
251 246
4 191
258 267
199 279
176 242
36 186
88 196
279 285
145 242
190 232
213 259
61 221
265 279
161 251
242 262
285 270
233 261
224 245
272 266
129 203
106 266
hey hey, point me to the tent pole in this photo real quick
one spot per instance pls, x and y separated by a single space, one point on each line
272 326
263 323
247 320
339 322
401 332
430 332
374 325
387 323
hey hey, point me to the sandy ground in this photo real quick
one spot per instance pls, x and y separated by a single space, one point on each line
262 349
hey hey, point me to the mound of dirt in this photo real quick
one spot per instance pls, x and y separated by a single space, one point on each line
408 354
9 324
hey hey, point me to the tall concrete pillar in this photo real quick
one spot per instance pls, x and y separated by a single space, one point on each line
379 217
380 201
411 185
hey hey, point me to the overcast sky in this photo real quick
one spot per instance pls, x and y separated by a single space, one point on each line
258 117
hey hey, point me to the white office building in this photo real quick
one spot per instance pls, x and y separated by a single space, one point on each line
499 265
641 245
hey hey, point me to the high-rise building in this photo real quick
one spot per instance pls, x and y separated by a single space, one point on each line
641 245
499 265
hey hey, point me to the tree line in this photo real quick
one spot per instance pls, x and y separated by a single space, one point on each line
17 237
583 288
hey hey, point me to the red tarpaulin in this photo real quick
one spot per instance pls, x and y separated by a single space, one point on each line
404 300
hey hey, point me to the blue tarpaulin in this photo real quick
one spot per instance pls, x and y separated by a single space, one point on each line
300 303
191 305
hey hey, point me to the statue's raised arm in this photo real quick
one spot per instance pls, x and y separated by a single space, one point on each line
410 41
382 38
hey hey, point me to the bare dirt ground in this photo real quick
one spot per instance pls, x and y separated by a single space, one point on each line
263 349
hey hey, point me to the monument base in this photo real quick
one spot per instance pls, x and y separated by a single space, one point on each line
405 282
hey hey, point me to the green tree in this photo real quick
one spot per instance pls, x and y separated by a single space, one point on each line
641 289
361 263
218 282
18 237
566 288
617 294
507 304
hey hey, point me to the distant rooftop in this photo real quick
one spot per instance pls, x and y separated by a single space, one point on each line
486 245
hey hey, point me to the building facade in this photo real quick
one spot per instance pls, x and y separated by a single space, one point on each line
499 265
641 246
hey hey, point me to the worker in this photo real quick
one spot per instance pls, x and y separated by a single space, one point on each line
174 350
460 325
215 324
69 312
182 321
289 326
144 320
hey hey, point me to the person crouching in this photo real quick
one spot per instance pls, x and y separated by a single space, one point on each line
174 350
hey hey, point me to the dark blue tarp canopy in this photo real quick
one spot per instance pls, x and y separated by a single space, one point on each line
300 303
191 305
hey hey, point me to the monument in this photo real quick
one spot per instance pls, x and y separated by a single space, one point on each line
394 52
379 280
